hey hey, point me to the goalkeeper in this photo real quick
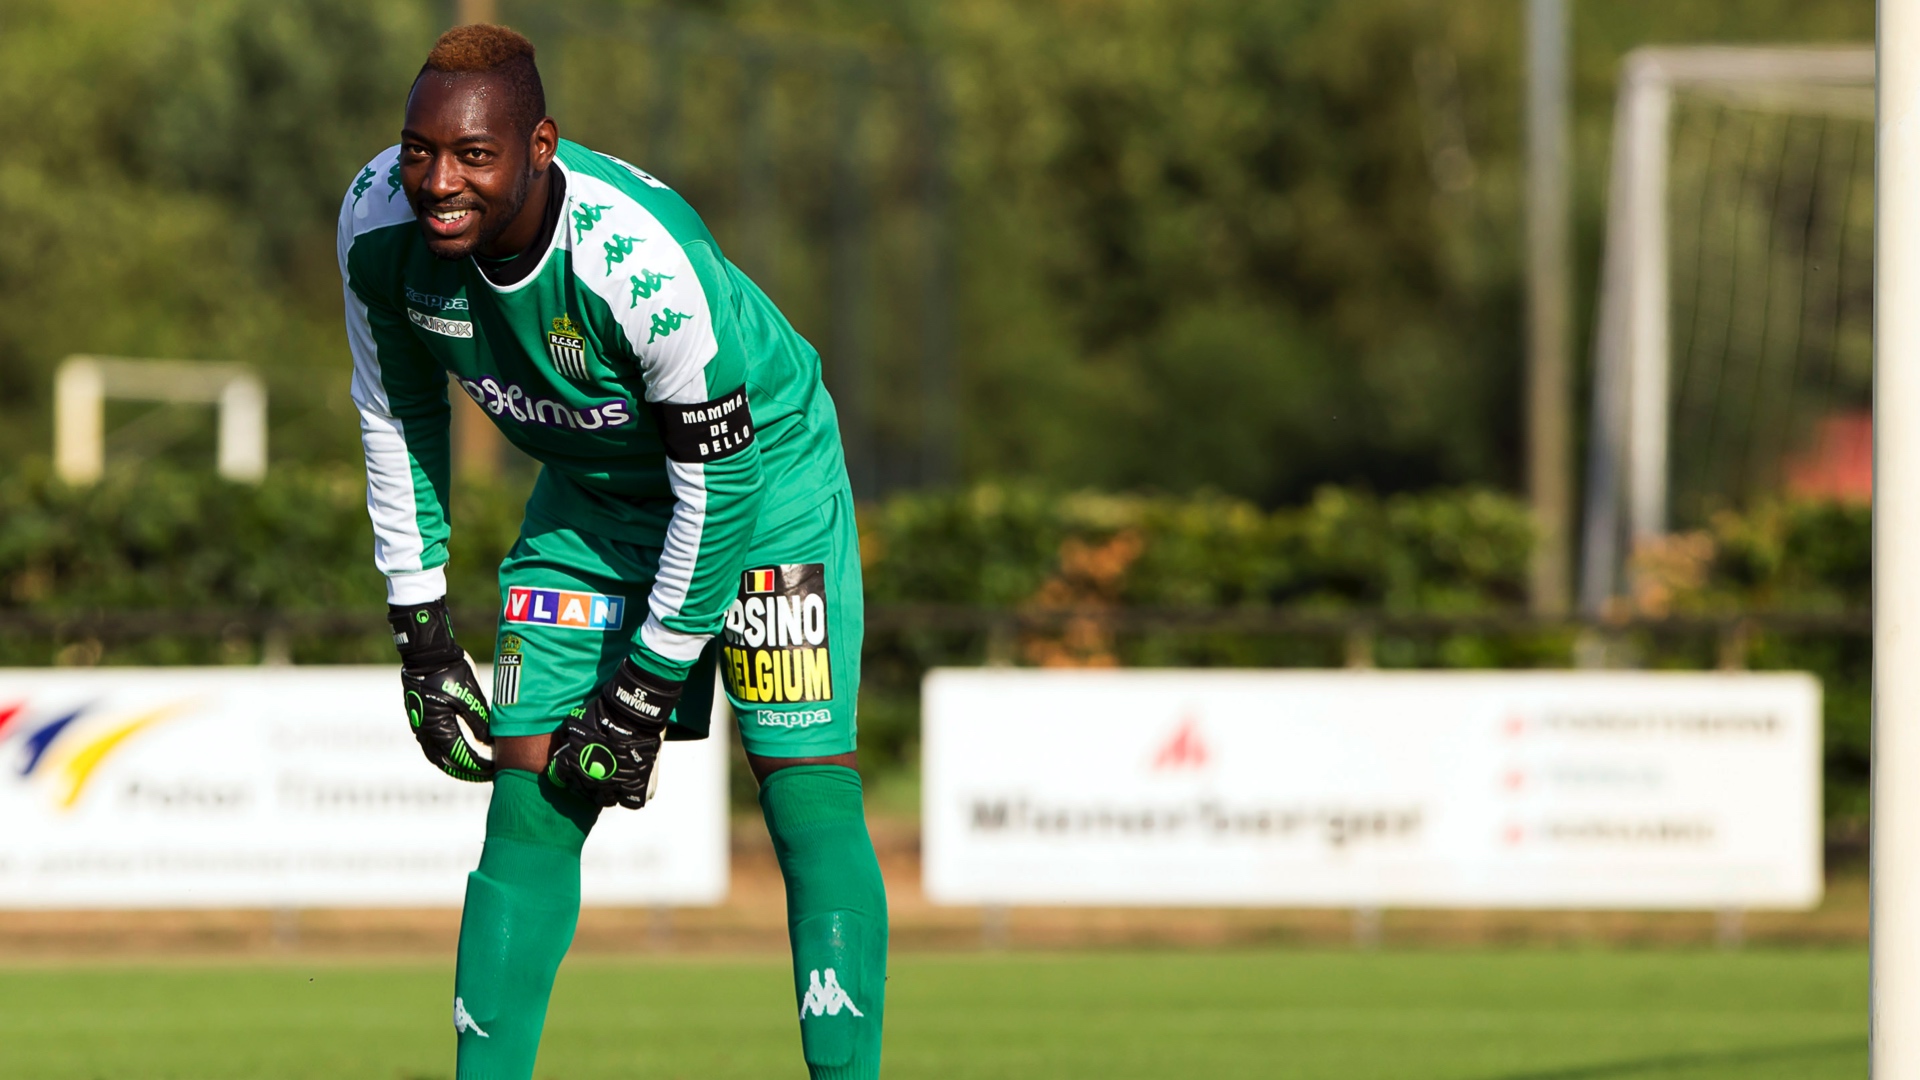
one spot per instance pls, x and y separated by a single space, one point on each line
692 513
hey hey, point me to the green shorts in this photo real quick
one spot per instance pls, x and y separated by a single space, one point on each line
571 604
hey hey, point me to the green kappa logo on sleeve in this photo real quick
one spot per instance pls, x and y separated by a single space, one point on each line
585 217
666 322
645 284
618 248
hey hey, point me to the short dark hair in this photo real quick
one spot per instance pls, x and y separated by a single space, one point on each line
481 48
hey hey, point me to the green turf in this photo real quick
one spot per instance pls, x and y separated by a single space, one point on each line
1301 1016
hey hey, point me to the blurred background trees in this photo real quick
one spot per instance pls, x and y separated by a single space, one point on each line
1249 245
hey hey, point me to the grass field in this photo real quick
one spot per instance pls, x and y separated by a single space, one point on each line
1536 1015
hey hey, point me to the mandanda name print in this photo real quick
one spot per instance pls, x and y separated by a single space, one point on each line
774 648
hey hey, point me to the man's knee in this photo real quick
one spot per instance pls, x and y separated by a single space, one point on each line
524 752
764 767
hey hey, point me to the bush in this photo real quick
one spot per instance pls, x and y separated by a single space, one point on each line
160 540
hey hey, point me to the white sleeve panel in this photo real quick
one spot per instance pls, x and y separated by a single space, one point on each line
632 262
679 555
398 545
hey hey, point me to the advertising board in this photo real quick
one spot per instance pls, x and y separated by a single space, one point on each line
287 787
1510 789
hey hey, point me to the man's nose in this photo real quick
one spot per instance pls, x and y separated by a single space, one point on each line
443 177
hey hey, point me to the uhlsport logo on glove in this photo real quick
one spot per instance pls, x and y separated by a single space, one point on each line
598 762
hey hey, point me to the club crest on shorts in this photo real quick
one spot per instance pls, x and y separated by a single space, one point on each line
506 670
774 647
559 607
568 348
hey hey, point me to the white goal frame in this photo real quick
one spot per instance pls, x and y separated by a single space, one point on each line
82 384
1626 496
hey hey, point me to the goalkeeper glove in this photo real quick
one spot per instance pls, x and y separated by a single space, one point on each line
610 750
444 703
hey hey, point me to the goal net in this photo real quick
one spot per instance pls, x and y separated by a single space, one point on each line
1733 351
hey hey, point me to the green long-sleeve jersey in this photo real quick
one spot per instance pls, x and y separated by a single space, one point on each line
669 401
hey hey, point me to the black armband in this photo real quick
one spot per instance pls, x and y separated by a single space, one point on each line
707 430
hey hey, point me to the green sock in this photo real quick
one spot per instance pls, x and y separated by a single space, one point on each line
836 916
522 904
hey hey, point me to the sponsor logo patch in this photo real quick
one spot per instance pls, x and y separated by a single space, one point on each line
454 328
568 348
506 670
798 718
559 607
434 301
509 399
774 647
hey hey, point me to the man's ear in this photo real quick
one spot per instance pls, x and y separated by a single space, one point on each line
542 144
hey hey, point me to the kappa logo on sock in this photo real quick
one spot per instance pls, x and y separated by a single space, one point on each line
825 996
463 1023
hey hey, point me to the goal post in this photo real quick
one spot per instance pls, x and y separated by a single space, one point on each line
1627 490
82 385
1895 857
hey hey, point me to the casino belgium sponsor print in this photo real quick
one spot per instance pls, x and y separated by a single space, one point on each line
774 650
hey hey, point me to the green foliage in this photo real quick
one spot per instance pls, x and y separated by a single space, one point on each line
1249 246
997 546
163 540
170 186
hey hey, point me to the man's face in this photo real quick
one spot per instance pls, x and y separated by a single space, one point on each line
464 164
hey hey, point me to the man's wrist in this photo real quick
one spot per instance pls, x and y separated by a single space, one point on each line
423 633
644 695
416 587
659 666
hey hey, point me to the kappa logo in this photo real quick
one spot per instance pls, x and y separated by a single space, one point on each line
434 301
393 180
799 718
825 997
361 183
645 284
1185 750
664 323
618 248
585 217
463 1023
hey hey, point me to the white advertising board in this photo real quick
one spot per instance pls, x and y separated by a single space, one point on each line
1515 789
287 787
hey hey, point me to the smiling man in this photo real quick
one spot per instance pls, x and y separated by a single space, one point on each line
692 513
